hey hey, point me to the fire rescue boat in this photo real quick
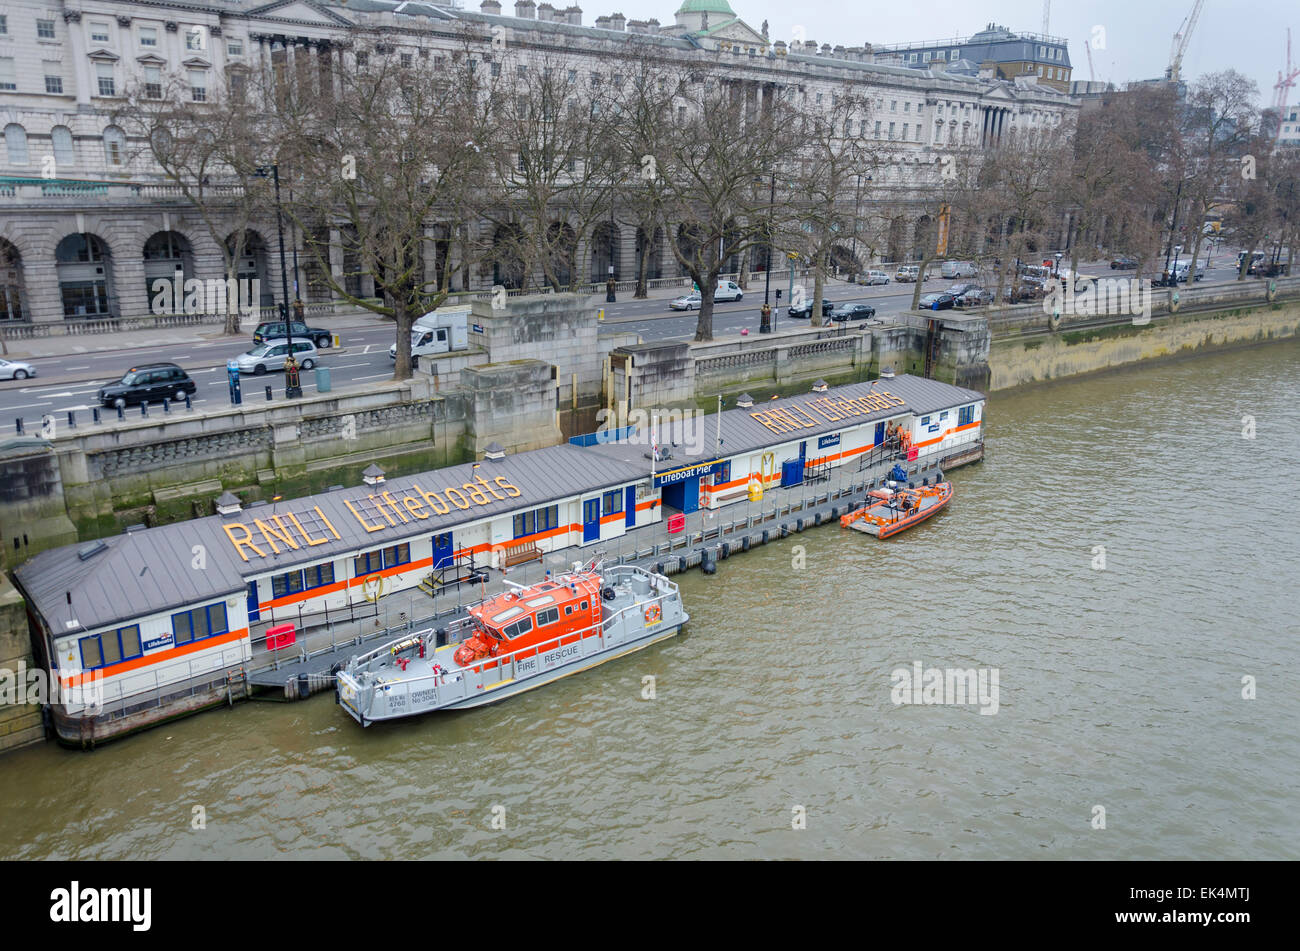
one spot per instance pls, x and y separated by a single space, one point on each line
890 510
524 638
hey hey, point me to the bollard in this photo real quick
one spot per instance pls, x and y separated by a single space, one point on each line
94 415
659 567
18 425
681 563
744 545
268 394
72 419
121 412
144 408
724 550
167 405
188 402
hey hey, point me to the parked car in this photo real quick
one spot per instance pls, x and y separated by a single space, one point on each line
1027 290
804 310
951 269
975 297
961 287
907 274
274 330
938 302
685 302
874 277
728 290
16 370
150 383
1182 270
1124 263
848 312
270 356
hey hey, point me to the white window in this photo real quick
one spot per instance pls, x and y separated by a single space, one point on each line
45 29
907 107
16 143
891 130
198 85
114 146
877 129
952 54
153 82
104 76
99 32
893 105
234 47
61 137
7 76
905 131
148 36
53 78
1040 70
195 38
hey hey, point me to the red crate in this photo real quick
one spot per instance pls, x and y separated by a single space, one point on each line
282 635
676 522
912 454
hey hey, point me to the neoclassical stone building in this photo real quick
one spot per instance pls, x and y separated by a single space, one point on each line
85 226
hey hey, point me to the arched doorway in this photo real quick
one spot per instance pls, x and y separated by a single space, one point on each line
561 252
12 296
897 234
251 266
85 269
167 257
507 261
605 240
654 261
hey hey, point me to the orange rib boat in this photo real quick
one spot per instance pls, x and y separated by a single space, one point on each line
890 511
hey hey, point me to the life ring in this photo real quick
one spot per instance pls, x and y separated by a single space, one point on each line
654 614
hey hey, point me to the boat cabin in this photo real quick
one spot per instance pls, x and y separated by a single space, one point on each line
541 614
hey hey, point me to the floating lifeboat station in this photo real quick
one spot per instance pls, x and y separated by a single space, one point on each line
159 622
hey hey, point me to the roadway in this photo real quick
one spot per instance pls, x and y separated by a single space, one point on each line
68 382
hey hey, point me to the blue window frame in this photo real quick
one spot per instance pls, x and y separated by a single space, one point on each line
110 647
293 582
966 415
318 575
723 474
380 558
925 420
612 502
194 625
538 520
288 583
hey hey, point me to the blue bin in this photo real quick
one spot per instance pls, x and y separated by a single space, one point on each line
322 379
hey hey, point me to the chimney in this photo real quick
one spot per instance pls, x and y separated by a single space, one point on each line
228 503
617 21
490 6
546 13
652 26
525 9
494 452
602 23
637 26
744 401
373 475
810 47
574 15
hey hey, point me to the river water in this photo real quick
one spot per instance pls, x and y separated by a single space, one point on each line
1118 687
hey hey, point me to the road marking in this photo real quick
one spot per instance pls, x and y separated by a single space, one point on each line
347 365
76 368
26 406
367 350
370 376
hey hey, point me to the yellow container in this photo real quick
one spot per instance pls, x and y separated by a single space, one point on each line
755 491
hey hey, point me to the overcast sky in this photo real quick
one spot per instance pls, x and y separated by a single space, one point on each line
1246 35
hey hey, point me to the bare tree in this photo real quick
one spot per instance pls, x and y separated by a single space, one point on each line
209 150
382 152
711 171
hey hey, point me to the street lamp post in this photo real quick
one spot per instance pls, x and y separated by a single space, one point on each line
1173 227
274 171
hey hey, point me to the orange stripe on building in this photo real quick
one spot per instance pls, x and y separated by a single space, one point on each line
148 660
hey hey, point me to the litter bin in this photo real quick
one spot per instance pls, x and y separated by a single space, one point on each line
322 379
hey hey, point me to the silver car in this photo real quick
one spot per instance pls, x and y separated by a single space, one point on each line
16 370
270 356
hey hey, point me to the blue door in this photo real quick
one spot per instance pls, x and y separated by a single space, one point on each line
254 612
803 450
629 505
880 434
683 496
591 520
442 551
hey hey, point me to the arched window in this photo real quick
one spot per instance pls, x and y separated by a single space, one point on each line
61 136
16 143
114 147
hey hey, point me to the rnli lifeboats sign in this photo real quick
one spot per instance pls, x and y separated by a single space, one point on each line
375 512
807 414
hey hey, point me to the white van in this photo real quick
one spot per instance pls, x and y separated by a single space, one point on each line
953 269
438 331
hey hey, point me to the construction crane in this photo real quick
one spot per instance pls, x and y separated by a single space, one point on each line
1285 82
1174 73
1092 73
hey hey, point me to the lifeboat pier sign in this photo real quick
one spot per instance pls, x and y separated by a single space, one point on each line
690 472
